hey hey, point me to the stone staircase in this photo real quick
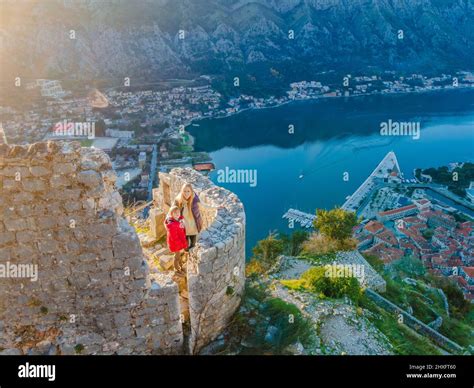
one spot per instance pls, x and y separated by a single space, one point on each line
160 259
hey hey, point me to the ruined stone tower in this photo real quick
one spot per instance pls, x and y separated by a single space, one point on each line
216 269
95 292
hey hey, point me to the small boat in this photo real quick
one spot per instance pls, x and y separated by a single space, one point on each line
301 176
195 125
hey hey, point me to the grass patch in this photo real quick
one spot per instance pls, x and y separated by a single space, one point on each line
269 325
319 259
456 327
142 229
86 142
458 331
404 340
185 148
289 321
374 262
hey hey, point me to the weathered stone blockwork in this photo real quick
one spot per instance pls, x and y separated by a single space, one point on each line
94 294
216 272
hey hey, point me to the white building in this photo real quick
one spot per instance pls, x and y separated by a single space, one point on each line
119 134
50 88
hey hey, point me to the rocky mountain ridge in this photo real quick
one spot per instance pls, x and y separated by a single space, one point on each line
117 39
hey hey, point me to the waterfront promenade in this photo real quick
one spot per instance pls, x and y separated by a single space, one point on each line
388 164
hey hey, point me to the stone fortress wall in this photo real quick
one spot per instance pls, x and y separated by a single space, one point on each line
94 293
216 271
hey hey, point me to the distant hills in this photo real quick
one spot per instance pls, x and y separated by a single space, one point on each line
141 39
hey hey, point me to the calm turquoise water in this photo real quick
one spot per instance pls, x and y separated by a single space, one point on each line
332 136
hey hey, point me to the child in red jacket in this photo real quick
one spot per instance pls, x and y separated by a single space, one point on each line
176 235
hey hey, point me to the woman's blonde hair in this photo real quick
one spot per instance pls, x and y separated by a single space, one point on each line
180 197
171 210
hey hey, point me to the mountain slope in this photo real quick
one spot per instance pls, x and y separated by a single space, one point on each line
117 39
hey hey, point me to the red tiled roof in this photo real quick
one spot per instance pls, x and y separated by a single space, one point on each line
423 201
469 271
412 220
388 237
385 253
469 296
204 166
464 231
399 210
461 280
374 227
438 260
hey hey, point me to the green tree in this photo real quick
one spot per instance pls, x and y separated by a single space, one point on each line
458 306
265 254
336 223
293 242
410 265
428 234
267 250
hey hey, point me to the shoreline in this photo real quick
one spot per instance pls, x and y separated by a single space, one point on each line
297 100
193 121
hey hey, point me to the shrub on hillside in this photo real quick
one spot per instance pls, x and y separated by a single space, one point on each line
458 305
291 324
319 244
336 224
265 254
316 280
410 265
293 243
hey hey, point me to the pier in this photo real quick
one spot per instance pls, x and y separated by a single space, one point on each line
302 218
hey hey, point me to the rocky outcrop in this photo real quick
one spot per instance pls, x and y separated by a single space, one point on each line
366 275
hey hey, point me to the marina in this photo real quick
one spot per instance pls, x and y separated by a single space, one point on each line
354 202
304 219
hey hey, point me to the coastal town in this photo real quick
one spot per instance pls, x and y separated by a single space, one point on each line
403 217
407 219
122 116
144 131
